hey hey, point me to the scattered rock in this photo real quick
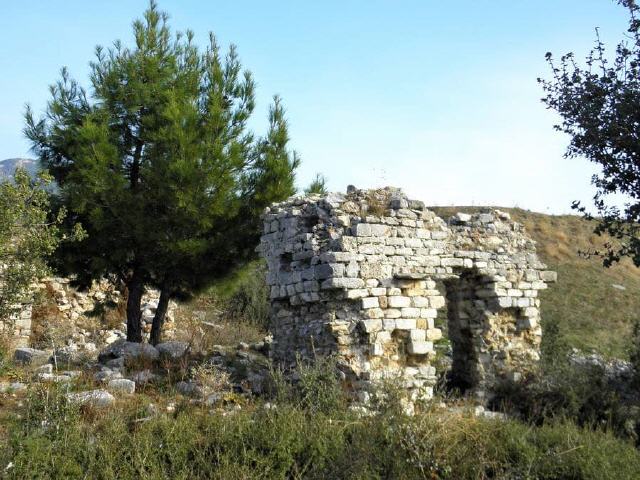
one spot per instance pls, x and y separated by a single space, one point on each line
213 399
190 389
53 378
122 385
46 368
618 287
31 356
116 363
243 346
172 350
96 398
17 387
128 350
143 377
106 375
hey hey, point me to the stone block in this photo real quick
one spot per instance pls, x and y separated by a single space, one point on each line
437 302
410 312
434 334
31 356
405 324
370 302
419 302
342 283
398 301
372 325
420 348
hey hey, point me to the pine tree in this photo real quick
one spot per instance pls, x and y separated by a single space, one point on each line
159 167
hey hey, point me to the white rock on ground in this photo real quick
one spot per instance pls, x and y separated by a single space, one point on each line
31 356
128 350
122 385
96 398
143 377
172 350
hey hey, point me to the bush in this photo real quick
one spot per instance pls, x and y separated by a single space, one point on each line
291 441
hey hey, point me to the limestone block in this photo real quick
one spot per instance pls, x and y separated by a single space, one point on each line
405 324
410 312
357 293
370 302
389 324
418 335
372 325
378 230
419 302
392 313
434 334
342 283
420 348
398 301
428 313
362 230
437 302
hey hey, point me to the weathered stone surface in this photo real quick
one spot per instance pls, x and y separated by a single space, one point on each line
128 350
190 389
363 277
31 356
143 377
122 385
173 350
95 398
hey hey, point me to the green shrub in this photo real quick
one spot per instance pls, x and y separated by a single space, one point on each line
292 442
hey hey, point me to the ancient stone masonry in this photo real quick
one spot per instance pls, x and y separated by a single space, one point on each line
73 312
368 276
18 328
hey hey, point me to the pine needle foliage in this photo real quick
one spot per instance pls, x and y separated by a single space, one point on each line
156 160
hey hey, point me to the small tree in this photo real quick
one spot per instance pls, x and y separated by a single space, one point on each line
159 167
600 109
318 185
27 237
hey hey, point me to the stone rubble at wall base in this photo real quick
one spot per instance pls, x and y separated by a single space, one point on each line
73 310
363 277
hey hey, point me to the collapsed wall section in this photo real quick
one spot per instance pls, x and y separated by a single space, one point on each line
356 276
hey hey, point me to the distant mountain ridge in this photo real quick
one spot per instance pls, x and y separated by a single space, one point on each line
9 165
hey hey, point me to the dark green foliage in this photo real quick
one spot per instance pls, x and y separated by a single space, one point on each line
27 237
318 185
158 164
249 299
600 109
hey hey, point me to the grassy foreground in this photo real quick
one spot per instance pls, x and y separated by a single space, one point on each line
591 312
311 435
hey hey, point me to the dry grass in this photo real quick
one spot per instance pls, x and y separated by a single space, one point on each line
202 323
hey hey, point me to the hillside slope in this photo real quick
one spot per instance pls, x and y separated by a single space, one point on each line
594 306
8 166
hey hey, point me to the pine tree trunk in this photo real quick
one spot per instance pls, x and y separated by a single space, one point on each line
135 290
158 318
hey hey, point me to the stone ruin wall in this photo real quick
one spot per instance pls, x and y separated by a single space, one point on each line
18 328
365 276
72 310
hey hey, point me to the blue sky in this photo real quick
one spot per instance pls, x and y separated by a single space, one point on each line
439 98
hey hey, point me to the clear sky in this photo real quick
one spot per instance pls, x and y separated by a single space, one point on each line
437 97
